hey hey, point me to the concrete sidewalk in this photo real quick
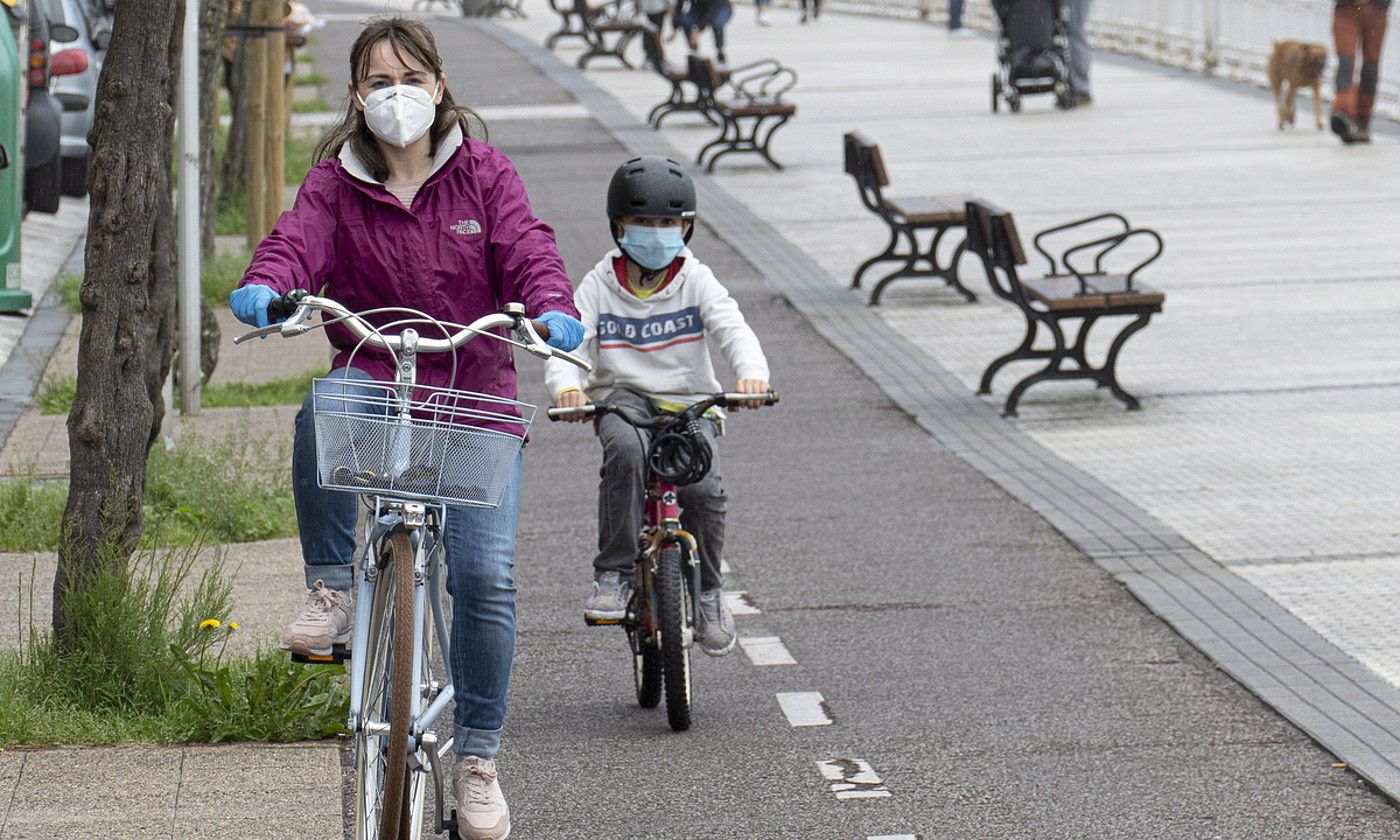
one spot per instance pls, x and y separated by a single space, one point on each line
1271 384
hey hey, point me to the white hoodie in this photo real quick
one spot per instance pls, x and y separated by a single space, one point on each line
658 346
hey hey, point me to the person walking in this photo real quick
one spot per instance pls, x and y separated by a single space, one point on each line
1357 23
816 10
1079 53
695 16
955 13
403 209
655 12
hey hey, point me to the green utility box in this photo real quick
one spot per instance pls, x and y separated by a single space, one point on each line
12 92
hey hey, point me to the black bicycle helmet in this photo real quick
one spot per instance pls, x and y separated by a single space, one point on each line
651 187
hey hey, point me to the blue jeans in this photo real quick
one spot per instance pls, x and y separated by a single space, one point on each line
686 23
1079 52
955 10
480 553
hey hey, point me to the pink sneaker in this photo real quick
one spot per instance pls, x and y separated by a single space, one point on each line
325 621
482 813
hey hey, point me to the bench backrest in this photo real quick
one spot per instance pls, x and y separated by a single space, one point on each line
864 161
704 75
992 237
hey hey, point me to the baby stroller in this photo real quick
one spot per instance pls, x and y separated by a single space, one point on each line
1032 52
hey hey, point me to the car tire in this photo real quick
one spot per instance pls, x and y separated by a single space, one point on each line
43 186
75 176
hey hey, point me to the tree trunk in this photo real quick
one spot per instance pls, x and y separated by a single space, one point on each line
128 296
212 15
233 172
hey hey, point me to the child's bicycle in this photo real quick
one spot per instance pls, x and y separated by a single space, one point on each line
410 450
664 606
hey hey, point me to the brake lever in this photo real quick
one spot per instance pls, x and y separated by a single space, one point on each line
260 332
530 338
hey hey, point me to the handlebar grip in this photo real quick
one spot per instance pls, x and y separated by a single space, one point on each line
733 397
284 306
586 410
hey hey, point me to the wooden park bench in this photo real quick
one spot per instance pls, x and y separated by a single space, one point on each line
609 29
571 26
748 105
1065 294
908 219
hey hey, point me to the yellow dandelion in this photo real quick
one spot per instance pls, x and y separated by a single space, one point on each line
232 625
210 624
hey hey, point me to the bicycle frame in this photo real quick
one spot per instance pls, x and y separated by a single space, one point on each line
662 527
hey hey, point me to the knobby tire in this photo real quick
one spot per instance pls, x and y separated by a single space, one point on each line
672 599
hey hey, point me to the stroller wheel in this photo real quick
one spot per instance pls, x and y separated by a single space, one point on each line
996 93
1014 100
1063 99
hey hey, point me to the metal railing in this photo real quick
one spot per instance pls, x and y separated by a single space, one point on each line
1227 38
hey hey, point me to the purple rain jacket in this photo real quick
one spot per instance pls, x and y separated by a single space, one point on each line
469 245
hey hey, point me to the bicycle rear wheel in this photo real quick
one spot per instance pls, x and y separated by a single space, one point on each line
381 772
674 610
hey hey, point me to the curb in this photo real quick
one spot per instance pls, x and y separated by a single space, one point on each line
22 371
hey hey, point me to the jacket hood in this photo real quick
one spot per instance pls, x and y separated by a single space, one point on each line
605 267
446 148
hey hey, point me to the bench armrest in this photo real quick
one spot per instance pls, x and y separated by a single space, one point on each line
1112 242
1054 267
762 81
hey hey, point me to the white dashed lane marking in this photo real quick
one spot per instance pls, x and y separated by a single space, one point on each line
852 778
766 650
805 708
739 603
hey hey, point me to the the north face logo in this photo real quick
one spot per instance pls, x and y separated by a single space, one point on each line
467 227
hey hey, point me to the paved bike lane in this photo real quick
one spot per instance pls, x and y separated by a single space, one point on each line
977 675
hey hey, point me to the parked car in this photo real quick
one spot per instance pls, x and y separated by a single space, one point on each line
12 31
43 113
76 92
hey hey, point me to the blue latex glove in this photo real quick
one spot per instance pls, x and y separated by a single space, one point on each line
249 304
565 331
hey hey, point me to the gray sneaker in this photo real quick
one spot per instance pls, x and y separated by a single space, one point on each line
482 813
609 599
715 632
324 622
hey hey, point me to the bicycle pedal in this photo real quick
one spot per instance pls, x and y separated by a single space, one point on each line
600 622
339 655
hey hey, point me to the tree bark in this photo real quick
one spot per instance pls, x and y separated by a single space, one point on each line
128 296
233 172
212 16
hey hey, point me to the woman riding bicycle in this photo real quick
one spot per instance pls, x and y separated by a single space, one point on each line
405 209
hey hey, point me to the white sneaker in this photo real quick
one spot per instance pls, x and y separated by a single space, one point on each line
482 813
763 18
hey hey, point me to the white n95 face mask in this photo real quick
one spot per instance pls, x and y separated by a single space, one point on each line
399 114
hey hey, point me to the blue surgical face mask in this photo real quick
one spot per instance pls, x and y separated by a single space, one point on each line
652 247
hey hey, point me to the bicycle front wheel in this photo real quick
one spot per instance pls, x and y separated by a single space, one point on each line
381 772
674 610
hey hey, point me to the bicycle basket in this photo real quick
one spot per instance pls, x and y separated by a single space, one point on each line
457 447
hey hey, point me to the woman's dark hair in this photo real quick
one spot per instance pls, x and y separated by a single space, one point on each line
408 39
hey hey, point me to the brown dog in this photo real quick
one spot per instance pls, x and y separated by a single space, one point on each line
1296 64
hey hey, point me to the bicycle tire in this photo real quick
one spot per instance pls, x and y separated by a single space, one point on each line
646 676
382 766
673 608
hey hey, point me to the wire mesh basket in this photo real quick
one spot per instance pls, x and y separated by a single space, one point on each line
457 447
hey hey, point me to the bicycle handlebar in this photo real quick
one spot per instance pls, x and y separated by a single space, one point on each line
297 305
728 399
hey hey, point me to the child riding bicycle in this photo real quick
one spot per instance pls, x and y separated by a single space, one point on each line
651 312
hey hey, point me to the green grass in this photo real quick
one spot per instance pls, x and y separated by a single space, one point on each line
219 275
318 105
56 394
315 77
67 287
148 662
305 57
221 493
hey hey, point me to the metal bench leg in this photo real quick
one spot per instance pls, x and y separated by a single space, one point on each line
666 106
884 256
950 273
1050 371
768 139
1022 351
1110 365
911 259
1079 352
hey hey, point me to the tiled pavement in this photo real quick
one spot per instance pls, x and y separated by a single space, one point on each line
1252 502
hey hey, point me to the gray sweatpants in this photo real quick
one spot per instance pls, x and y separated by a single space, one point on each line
1079 52
623 482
